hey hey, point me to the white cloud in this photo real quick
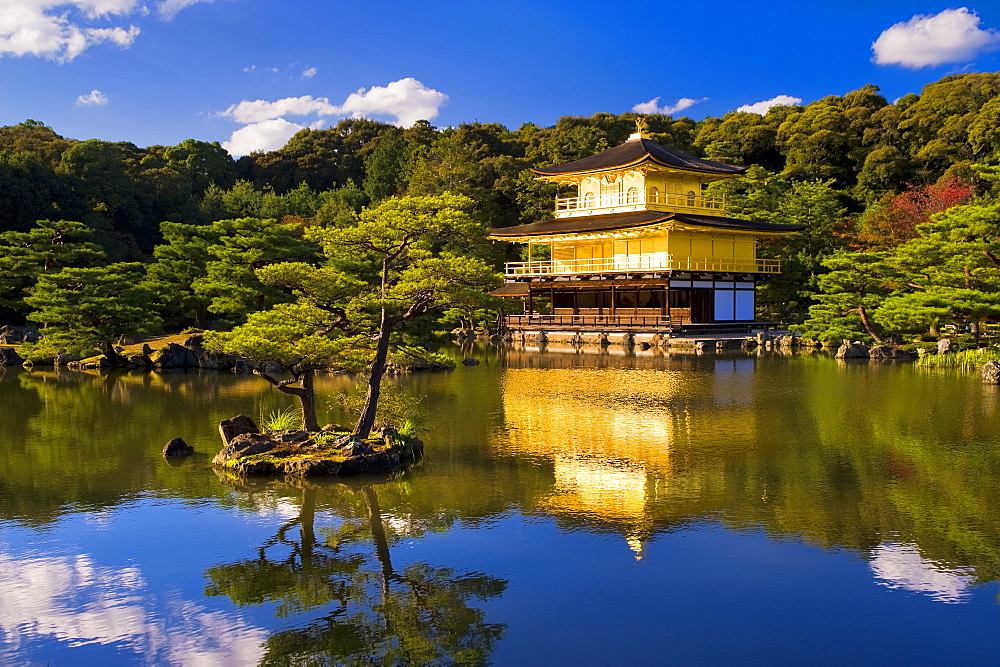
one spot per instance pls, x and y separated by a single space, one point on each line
61 30
407 99
94 98
762 107
953 36
168 8
404 102
267 135
653 105
309 73
258 110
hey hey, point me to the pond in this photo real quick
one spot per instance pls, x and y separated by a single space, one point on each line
572 508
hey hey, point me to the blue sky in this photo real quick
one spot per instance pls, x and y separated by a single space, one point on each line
160 71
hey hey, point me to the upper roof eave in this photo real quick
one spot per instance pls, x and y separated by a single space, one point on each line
635 152
633 220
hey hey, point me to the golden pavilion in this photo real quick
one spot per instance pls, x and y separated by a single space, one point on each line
639 246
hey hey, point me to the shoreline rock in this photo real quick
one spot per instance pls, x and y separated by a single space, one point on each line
177 447
10 357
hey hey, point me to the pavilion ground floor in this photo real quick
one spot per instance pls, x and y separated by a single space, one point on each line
656 304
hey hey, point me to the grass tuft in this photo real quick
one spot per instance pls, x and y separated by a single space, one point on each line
967 360
282 420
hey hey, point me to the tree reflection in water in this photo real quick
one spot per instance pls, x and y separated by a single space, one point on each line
373 611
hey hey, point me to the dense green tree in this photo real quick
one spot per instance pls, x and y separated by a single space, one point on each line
856 284
416 245
301 338
743 138
91 308
386 166
952 270
30 190
99 168
402 262
203 163
35 138
180 262
244 245
935 127
47 247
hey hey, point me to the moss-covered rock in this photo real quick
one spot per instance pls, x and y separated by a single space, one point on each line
323 453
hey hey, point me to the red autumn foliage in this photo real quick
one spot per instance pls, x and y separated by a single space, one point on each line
895 218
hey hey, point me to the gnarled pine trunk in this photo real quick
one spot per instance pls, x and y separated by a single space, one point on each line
367 420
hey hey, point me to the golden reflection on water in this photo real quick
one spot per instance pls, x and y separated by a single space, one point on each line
622 441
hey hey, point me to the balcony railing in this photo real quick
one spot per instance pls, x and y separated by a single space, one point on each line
641 264
615 321
617 200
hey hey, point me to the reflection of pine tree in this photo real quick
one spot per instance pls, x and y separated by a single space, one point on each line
375 613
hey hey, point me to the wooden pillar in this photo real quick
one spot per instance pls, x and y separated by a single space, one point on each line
612 300
531 302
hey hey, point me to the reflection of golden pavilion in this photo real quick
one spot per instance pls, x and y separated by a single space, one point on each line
624 445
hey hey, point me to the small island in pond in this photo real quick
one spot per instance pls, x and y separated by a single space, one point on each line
331 451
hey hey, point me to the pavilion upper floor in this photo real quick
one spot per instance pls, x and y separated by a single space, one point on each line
641 242
638 175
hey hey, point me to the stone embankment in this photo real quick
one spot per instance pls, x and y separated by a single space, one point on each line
332 451
190 354
858 350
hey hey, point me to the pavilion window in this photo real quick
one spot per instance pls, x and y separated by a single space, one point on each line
690 198
625 299
632 197
562 300
648 298
654 195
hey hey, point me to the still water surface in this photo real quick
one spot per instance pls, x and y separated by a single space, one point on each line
571 509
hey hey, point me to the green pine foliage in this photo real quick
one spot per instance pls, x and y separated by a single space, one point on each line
91 308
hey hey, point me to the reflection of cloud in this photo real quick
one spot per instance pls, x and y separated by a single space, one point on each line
75 601
902 566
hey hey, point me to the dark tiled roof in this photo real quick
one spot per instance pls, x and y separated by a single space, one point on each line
632 152
733 223
597 223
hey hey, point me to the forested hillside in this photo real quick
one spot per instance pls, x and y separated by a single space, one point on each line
864 174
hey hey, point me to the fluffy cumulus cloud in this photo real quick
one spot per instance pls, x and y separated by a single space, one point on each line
953 36
94 98
653 105
776 101
266 135
402 102
61 30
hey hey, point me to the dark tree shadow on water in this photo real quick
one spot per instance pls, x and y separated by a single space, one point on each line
371 611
